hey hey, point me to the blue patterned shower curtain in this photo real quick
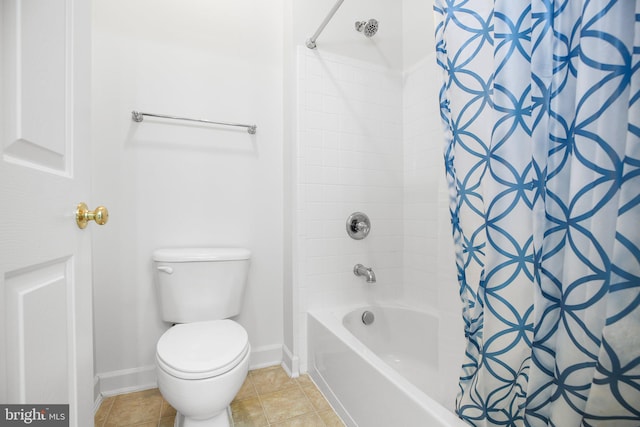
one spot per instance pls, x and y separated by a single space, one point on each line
541 105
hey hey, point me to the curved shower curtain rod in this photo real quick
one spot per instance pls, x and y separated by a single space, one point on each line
311 43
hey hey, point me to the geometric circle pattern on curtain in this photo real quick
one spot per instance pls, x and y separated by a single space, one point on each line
541 107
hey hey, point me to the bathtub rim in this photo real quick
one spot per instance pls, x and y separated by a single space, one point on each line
332 319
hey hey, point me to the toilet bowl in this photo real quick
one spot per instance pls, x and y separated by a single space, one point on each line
200 368
203 360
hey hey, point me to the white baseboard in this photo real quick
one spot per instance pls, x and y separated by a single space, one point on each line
126 381
268 355
290 362
97 396
144 378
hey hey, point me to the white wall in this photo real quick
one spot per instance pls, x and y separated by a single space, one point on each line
170 183
417 32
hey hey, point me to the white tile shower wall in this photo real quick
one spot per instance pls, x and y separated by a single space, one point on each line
428 248
422 133
429 264
349 148
371 140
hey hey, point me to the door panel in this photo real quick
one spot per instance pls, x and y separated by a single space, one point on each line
38 43
37 316
46 347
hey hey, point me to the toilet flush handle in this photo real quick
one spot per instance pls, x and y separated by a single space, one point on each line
165 269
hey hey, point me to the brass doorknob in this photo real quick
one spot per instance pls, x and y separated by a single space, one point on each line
83 215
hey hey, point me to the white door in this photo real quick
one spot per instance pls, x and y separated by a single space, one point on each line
46 348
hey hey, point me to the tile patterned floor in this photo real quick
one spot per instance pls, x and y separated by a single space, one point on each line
268 398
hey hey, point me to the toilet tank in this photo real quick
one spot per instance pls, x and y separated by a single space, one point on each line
198 284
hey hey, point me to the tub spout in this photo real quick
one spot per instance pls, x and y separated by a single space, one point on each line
361 270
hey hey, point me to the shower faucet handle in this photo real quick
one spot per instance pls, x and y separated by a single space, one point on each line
363 227
358 225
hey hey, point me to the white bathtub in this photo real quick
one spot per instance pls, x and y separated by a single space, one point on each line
382 374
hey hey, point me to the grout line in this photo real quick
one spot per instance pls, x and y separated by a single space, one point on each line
161 409
106 418
264 413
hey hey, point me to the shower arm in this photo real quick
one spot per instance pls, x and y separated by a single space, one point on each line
311 43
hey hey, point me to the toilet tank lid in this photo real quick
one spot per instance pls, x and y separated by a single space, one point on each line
200 254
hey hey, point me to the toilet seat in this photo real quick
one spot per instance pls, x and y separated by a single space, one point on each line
202 349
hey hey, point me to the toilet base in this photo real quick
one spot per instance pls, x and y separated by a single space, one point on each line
223 419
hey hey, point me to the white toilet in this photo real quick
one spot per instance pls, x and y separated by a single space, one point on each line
202 361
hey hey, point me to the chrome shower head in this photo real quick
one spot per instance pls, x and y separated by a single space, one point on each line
368 28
